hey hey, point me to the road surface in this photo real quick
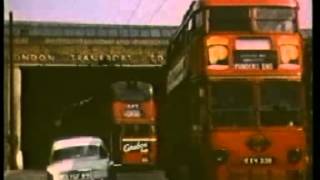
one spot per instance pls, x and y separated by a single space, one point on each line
41 175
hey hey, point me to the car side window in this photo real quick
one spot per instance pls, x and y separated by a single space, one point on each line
102 152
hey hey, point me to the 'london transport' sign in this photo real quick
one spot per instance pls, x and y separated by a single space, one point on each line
92 59
114 53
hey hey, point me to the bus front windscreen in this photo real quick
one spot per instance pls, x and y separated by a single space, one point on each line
268 103
232 104
281 103
256 19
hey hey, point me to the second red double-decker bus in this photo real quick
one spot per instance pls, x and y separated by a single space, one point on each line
237 69
133 103
134 115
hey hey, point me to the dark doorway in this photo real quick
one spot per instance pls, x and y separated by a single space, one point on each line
79 96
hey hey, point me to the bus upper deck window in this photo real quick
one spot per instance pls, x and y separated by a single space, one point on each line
199 21
230 19
257 19
132 85
132 91
190 25
274 19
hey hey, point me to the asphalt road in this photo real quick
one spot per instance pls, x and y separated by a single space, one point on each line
147 175
25 175
41 175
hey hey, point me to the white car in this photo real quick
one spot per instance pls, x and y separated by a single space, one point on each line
79 158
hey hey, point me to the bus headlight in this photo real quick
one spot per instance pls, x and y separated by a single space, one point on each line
294 155
218 54
289 54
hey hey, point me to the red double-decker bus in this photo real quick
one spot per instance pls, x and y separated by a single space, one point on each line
236 83
133 103
134 114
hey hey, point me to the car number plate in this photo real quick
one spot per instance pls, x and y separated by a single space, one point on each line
80 176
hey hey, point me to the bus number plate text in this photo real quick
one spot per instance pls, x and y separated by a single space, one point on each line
258 160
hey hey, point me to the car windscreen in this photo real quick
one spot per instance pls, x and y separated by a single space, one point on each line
76 152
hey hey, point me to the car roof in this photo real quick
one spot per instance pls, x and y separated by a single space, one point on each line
76 141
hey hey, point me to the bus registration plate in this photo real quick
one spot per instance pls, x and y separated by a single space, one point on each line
258 160
132 113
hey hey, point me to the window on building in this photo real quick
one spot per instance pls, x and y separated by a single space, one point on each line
124 32
113 32
90 32
102 32
155 33
133 32
145 32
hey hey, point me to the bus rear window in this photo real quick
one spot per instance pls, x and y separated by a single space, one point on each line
132 91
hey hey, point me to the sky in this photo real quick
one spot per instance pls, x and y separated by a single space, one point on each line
139 12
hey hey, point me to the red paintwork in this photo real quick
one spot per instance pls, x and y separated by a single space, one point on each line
148 108
234 140
286 3
135 157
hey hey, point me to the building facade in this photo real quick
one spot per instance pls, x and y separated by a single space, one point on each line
43 54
